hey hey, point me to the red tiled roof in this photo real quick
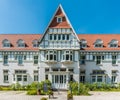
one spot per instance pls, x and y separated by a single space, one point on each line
13 38
28 38
106 38
63 24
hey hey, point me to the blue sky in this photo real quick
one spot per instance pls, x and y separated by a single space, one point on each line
33 16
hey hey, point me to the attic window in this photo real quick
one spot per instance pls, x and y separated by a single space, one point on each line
113 43
98 43
59 19
6 43
20 43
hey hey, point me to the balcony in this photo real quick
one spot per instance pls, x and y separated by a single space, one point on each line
67 61
51 61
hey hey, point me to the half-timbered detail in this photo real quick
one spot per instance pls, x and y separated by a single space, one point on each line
59 50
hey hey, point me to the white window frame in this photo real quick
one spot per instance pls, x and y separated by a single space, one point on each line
59 19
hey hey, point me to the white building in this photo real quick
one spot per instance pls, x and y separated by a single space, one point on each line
59 55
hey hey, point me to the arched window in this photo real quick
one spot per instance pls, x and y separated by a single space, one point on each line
35 43
83 43
98 43
113 43
6 43
20 43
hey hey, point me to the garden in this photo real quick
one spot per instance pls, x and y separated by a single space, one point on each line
44 88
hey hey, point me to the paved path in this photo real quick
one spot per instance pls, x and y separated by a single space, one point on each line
21 95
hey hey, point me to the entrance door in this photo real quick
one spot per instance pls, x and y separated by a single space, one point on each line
59 81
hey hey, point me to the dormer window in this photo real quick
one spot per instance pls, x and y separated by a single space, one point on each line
83 43
20 43
6 43
59 19
35 43
113 43
98 43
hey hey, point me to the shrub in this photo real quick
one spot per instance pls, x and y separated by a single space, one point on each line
16 86
32 92
69 96
5 88
43 98
74 88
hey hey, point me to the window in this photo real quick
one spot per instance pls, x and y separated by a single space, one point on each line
20 59
83 43
50 36
68 37
25 78
93 79
59 19
113 43
114 76
82 59
51 55
5 76
113 80
35 73
5 61
98 72
35 77
82 78
19 78
6 43
46 77
35 59
63 36
21 75
24 57
55 36
99 78
99 59
98 43
35 43
21 43
59 36
114 59
20 71
68 55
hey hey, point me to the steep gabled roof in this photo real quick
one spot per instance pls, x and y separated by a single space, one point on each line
13 38
106 38
64 24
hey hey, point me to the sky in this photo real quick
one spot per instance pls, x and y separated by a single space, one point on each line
33 16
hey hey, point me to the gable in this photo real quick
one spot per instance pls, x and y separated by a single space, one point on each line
65 24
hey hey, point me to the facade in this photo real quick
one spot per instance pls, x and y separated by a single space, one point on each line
60 55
